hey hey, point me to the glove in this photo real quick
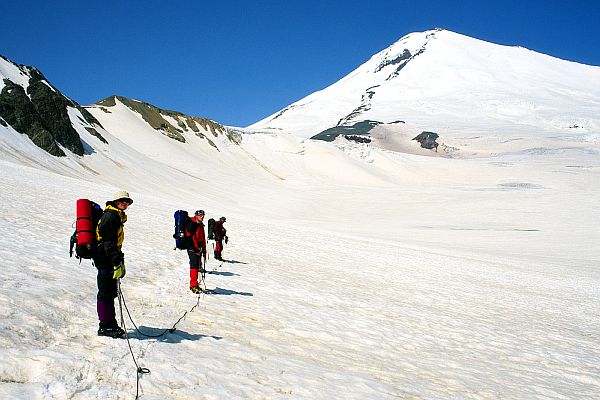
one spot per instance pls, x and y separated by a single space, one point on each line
119 271
226 239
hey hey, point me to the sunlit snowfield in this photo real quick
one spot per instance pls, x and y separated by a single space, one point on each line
368 275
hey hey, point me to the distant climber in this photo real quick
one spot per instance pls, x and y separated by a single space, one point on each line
220 235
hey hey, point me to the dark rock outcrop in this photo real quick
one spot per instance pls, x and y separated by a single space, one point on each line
359 128
41 113
358 139
20 112
427 140
154 117
399 59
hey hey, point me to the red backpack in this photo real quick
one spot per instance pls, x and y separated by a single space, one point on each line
84 238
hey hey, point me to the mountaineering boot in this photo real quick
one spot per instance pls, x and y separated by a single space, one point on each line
111 331
108 325
195 289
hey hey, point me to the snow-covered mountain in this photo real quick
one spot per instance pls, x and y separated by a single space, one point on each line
41 127
149 146
29 104
447 82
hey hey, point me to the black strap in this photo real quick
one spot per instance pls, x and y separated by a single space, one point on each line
73 241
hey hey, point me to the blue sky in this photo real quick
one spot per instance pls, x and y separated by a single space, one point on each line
238 61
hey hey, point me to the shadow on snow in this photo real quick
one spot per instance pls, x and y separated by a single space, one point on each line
233 262
227 292
176 336
222 273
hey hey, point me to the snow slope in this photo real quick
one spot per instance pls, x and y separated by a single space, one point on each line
12 72
377 275
443 81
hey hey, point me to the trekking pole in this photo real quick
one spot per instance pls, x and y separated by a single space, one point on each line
203 273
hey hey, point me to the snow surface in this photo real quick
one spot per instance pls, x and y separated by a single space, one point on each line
12 72
404 277
352 272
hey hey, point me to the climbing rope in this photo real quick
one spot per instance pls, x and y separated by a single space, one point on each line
123 305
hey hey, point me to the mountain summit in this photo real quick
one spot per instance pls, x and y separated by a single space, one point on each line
443 80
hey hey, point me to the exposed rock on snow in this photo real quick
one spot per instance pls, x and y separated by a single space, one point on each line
358 128
427 140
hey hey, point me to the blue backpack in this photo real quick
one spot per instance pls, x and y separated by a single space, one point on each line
181 218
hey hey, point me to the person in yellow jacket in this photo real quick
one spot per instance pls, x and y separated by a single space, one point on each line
110 262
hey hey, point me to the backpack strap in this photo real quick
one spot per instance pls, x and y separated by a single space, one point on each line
73 242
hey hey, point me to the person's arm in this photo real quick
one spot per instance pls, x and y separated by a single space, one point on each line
109 230
191 234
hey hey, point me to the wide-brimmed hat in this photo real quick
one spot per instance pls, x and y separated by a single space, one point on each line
123 196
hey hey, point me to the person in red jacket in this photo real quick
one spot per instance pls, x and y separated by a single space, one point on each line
194 232
220 235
